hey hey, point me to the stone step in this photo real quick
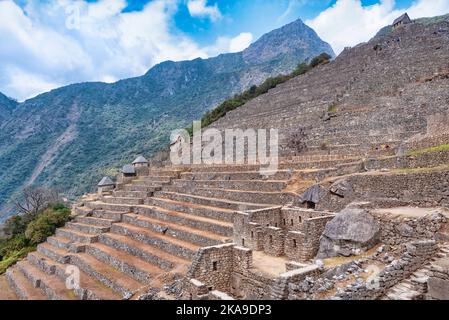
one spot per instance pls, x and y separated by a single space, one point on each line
225 168
51 285
120 283
98 205
122 200
197 222
152 184
135 267
82 211
406 296
195 236
213 202
156 178
193 209
67 244
94 221
140 187
57 254
269 198
87 228
165 172
174 246
89 288
146 252
22 287
259 185
109 215
6 292
132 194
239 175
76 235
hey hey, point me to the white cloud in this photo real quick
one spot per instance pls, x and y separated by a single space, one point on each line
199 8
38 52
348 23
228 45
241 42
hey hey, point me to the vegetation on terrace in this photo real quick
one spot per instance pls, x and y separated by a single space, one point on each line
25 231
239 100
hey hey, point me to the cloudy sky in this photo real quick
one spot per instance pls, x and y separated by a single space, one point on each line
45 44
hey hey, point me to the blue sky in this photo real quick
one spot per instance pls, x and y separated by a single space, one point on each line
49 43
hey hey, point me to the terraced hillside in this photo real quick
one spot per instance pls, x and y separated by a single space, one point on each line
383 91
176 231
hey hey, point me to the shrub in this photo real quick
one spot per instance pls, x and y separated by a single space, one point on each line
46 223
27 231
332 109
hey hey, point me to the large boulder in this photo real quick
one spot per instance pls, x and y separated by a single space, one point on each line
351 232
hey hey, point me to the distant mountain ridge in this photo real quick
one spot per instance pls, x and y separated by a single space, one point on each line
69 137
6 107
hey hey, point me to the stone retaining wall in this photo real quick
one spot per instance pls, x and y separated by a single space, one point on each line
400 230
421 189
416 255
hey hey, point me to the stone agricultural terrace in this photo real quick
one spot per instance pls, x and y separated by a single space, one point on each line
361 213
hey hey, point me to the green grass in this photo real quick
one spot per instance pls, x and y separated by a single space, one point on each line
443 147
14 257
332 109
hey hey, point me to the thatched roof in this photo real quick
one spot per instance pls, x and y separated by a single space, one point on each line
128 169
140 159
404 19
106 182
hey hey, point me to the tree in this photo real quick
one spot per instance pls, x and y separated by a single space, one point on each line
32 200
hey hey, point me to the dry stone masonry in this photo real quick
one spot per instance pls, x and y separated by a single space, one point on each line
361 213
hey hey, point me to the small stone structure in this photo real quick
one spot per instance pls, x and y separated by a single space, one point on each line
401 21
141 166
226 272
106 185
279 231
126 175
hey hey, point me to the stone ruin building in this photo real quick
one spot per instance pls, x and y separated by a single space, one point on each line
401 21
361 213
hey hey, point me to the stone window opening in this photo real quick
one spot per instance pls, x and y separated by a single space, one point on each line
271 239
243 241
285 222
291 222
311 205
252 234
300 219
294 243
276 225
214 266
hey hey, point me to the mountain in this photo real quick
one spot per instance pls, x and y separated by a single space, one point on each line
69 137
6 107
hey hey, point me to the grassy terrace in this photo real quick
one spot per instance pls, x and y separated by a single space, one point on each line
443 147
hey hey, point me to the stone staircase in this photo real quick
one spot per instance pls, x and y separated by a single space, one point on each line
414 287
142 236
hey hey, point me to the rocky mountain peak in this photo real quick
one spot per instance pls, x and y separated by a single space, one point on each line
288 39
